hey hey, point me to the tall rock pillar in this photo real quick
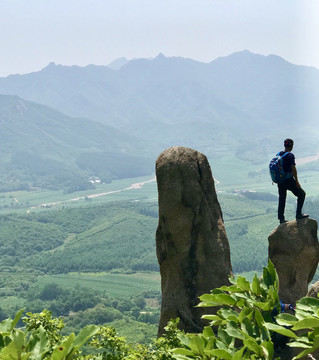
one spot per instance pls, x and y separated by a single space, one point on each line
191 241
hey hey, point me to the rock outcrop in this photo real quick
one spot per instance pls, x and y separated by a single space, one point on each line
191 241
314 290
294 251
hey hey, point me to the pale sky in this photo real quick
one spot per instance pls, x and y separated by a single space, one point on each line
34 33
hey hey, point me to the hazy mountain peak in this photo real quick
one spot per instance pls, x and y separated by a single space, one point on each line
247 57
117 63
160 56
51 65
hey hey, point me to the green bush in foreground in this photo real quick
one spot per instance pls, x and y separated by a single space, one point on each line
246 326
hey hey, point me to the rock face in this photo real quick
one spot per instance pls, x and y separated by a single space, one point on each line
191 242
294 251
314 290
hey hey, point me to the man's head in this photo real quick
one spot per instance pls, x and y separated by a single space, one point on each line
288 144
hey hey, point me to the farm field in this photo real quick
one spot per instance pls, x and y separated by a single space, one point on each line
114 285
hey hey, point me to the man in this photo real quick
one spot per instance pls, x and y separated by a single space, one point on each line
290 183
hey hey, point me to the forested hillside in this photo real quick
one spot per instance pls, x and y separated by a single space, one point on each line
90 238
121 235
43 148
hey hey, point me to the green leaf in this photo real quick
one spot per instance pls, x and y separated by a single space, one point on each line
299 344
265 306
7 325
246 326
216 291
286 319
240 303
61 350
268 349
223 299
309 301
280 330
308 323
84 335
15 348
224 336
253 346
273 273
197 344
184 339
231 288
11 352
214 318
17 318
234 332
182 351
243 283
206 298
258 317
239 354
267 279
255 286
38 343
244 312
301 314
304 353
220 354
208 332
228 314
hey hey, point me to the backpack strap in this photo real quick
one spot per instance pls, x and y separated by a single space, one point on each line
286 153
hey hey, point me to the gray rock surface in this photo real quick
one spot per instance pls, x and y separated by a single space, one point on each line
191 241
294 251
314 290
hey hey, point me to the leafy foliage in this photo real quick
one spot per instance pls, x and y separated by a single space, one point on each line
41 338
305 322
247 322
244 327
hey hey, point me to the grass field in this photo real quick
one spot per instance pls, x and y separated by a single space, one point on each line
115 285
133 189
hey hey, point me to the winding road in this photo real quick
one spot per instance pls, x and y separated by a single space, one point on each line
132 187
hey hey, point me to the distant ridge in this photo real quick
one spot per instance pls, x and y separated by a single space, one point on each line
118 63
234 101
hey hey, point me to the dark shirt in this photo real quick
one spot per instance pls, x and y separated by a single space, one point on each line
288 161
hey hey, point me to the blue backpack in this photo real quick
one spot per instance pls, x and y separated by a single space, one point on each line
276 169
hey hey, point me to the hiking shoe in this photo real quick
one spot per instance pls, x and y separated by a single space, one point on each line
282 221
301 216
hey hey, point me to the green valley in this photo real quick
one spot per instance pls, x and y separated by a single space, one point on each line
59 251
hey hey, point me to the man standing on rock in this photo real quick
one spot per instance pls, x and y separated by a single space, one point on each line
291 183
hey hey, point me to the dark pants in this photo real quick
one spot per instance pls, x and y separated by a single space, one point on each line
290 184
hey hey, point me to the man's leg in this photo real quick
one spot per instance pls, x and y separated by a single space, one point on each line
282 191
301 195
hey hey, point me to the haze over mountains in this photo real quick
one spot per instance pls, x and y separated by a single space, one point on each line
237 103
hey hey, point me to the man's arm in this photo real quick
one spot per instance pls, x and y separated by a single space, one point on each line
295 175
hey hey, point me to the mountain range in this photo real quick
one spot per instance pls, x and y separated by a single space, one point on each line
236 103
